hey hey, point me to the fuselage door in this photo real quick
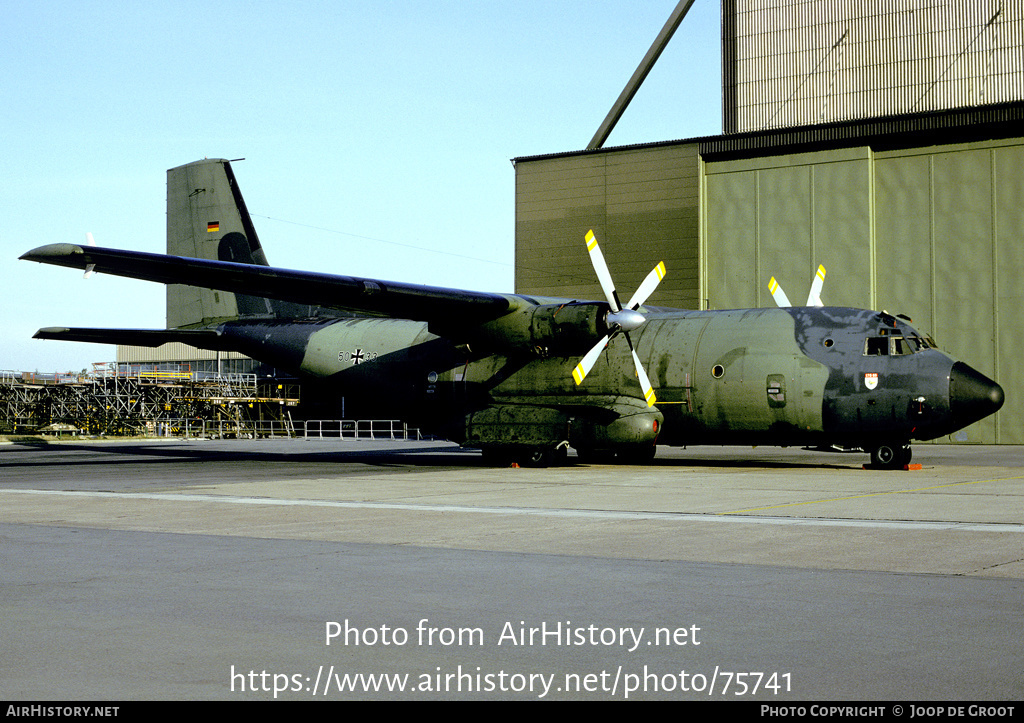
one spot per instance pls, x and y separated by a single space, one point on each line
776 389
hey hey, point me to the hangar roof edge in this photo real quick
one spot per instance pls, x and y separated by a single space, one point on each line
955 125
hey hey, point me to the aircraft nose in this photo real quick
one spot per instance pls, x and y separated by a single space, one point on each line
972 395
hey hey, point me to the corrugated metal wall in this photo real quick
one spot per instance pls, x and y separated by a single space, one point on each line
643 205
169 353
934 233
801 62
783 215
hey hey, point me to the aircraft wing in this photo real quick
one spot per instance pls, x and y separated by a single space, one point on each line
451 307
200 338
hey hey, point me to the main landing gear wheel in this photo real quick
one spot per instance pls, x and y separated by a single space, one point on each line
538 457
891 456
505 456
544 456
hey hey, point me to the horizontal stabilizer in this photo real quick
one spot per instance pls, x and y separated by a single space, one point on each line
348 293
200 338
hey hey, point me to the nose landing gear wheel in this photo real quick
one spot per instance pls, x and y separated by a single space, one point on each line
891 456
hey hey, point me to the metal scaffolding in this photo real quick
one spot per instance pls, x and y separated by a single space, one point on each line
130 400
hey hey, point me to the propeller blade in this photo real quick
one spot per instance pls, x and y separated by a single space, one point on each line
778 294
587 362
645 383
619 319
647 287
814 297
601 269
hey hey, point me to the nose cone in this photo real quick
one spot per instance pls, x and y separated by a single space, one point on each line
972 395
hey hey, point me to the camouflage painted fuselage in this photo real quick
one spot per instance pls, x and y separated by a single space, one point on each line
794 376
498 371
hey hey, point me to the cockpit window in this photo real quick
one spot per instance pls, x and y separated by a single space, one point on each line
901 346
876 346
895 345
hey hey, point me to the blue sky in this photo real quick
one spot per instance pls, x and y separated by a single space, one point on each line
377 135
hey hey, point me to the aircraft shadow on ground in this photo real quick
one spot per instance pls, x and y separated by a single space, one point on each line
79 455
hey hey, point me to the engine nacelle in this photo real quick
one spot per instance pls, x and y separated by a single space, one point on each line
516 425
632 426
623 428
543 329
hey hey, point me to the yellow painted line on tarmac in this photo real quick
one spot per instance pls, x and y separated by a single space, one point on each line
864 496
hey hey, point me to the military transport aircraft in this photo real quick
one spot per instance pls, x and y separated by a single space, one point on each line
521 377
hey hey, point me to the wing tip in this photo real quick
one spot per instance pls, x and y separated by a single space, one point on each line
50 252
50 332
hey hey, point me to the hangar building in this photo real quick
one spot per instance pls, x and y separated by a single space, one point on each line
882 140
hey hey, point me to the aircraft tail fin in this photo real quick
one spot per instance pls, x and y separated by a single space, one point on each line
207 219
